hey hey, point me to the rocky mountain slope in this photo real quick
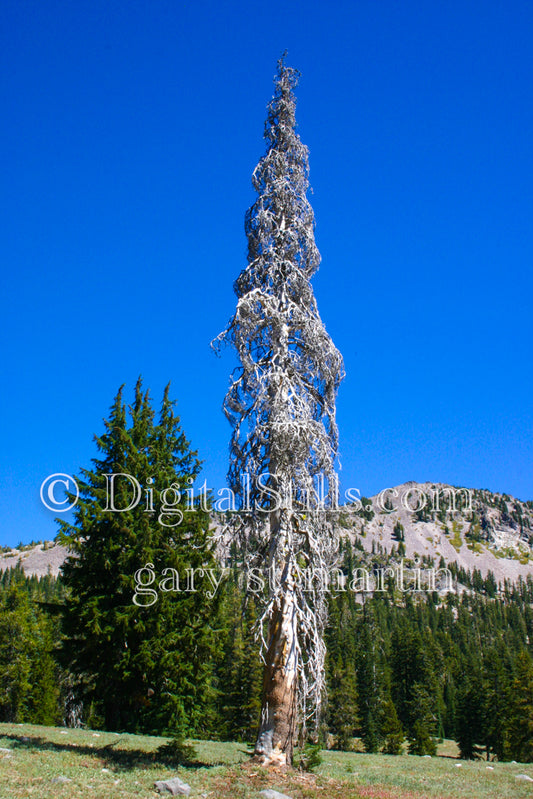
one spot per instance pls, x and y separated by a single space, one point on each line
40 559
474 528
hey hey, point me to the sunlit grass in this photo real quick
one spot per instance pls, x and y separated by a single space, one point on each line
105 765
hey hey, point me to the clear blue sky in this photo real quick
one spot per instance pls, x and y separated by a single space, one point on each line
129 134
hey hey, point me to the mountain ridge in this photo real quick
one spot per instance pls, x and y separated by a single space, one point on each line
475 528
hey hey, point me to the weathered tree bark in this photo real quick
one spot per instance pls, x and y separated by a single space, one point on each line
277 732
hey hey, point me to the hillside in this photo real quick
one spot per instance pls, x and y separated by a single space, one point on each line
38 560
486 531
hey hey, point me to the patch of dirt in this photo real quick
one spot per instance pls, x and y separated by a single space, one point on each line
296 785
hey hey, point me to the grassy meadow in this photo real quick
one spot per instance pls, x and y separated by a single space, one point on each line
105 765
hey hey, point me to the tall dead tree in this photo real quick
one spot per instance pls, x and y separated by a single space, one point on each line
281 404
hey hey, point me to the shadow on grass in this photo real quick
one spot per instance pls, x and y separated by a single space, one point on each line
119 759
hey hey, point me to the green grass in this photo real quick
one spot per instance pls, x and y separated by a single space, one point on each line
456 541
109 766
512 554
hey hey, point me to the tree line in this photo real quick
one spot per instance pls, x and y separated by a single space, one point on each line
403 670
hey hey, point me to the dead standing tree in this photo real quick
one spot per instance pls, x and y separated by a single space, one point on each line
281 404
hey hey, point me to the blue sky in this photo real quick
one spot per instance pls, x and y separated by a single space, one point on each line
130 132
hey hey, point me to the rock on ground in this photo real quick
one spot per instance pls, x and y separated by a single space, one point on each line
174 786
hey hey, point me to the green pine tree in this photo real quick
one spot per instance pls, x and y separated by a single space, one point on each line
520 722
239 670
414 681
496 695
392 730
143 667
342 704
370 680
469 732
420 740
28 674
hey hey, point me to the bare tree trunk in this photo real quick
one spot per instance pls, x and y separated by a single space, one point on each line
275 742
279 706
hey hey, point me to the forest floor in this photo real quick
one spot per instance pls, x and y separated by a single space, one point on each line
58 763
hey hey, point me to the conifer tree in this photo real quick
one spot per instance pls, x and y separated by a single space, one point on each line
143 665
414 685
469 717
341 635
28 673
238 672
420 740
520 721
370 680
496 699
391 730
342 703
282 408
